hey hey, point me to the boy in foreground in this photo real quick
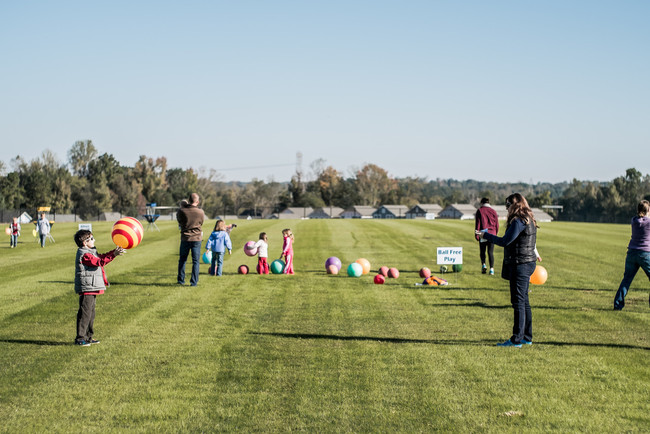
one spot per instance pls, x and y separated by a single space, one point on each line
89 281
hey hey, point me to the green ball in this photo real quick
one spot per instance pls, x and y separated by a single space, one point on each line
355 270
457 268
277 266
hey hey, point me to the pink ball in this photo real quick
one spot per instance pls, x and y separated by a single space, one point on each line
393 273
425 272
383 271
243 269
379 279
333 269
250 249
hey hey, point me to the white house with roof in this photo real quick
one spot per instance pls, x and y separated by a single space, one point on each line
295 213
326 212
428 211
460 211
390 212
541 215
358 212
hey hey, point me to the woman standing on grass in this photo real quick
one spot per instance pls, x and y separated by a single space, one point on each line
638 252
519 259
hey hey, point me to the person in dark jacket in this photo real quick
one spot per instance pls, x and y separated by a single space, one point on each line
190 220
486 219
519 256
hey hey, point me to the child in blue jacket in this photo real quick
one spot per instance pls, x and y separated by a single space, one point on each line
218 242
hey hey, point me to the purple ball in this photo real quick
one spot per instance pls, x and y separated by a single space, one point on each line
333 260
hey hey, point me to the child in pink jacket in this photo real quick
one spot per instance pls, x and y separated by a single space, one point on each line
287 251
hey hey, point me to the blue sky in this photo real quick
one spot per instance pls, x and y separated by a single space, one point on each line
490 90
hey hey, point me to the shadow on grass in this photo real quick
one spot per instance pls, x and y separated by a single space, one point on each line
438 341
117 283
36 342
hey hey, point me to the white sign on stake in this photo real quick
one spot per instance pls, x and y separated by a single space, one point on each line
86 226
449 255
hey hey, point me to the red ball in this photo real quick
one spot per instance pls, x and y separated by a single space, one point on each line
383 271
425 272
393 273
379 279
243 269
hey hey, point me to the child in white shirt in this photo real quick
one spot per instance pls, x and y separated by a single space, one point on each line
262 254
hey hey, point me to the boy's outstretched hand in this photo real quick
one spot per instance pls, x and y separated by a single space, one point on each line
119 251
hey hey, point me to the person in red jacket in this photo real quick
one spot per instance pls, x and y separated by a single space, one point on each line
486 220
89 281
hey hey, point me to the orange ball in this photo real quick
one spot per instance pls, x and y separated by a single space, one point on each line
539 276
127 232
365 265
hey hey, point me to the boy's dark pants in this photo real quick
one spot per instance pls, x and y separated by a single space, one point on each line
85 317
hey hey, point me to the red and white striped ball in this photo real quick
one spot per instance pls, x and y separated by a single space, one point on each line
127 232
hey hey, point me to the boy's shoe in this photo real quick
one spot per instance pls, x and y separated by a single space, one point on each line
508 343
82 343
483 269
491 271
93 341
526 342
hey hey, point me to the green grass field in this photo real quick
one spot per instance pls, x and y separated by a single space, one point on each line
315 352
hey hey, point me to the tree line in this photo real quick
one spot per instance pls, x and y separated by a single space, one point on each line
89 183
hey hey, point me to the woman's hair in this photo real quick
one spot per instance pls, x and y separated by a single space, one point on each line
643 209
263 236
288 233
518 208
220 225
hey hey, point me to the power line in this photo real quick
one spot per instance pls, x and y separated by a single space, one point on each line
254 167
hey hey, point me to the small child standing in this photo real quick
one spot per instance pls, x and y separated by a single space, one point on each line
287 251
89 281
218 242
14 229
262 254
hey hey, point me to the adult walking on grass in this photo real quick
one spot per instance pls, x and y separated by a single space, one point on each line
486 219
638 252
43 227
190 220
519 259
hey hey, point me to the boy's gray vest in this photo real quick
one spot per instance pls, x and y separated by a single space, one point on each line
87 279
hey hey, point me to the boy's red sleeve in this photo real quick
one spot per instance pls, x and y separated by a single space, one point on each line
95 261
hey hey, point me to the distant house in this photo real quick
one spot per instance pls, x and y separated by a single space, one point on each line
390 212
294 213
541 215
426 210
358 212
501 210
260 213
460 211
326 212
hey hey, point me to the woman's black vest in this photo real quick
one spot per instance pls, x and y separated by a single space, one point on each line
522 249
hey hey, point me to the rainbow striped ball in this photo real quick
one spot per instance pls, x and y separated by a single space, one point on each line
127 232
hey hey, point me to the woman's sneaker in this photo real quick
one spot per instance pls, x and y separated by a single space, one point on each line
82 343
93 341
526 342
508 343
